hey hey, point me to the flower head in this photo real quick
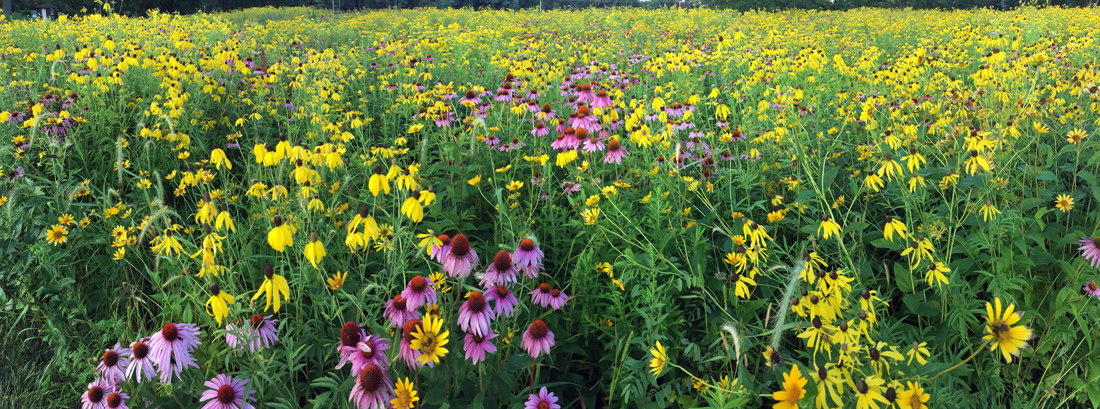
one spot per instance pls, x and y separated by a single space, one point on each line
1002 333
406 395
505 301
398 311
96 395
141 366
501 271
171 348
543 400
793 384
461 258
258 331
114 363
537 339
420 291
1089 250
372 389
660 358
478 346
430 341
475 314
227 393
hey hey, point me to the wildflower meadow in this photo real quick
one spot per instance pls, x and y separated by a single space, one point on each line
596 208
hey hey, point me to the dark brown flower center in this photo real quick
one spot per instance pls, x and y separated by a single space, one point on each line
581 134
502 291
398 303
410 328
460 246
555 293
418 284
445 239
365 354
1092 287
527 244
140 350
256 320
544 288
95 394
503 261
350 334
110 358
170 332
370 380
476 302
226 394
538 329
544 405
114 400
613 145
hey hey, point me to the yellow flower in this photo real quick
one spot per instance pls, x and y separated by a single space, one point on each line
1075 136
660 358
893 226
280 237
217 305
1064 203
830 227
869 391
936 274
405 394
988 211
609 191
514 185
273 286
646 198
592 201
1001 332
336 281
315 250
412 209
918 352
793 384
378 182
912 398
217 157
224 221
119 254
429 340
56 234
590 216
474 180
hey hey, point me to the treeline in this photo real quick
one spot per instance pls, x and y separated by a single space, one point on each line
23 8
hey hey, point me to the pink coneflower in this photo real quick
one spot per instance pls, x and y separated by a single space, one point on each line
96 395
404 350
558 298
584 93
117 400
140 364
470 97
474 316
227 393
175 367
593 145
516 144
492 141
351 334
544 400
1090 251
615 152
112 367
373 388
461 258
537 339
370 351
171 347
501 271
505 301
478 346
420 291
540 129
546 113
527 254
541 295
602 100
580 137
260 331
1092 289
559 142
568 188
398 313
437 252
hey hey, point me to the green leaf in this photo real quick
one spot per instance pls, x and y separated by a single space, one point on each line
903 277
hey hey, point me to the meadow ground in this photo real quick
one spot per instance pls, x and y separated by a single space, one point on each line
592 208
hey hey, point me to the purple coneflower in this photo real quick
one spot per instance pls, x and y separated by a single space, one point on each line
474 316
593 145
369 351
116 400
568 188
351 334
615 152
544 400
1092 289
492 141
558 298
541 295
398 313
527 254
373 388
478 346
404 351
546 113
584 93
1090 251
96 395
505 301
540 129
501 271
560 142
537 339
461 258
420 291
141 366
112 367
227 393
171 347
261 331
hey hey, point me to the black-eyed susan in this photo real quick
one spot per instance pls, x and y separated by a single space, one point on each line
57 234
660 358
378 182
869 393
1002 331
793 390
280 236
829 226
935 274
430 341
1064 203
1075 136
913 397
405 395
